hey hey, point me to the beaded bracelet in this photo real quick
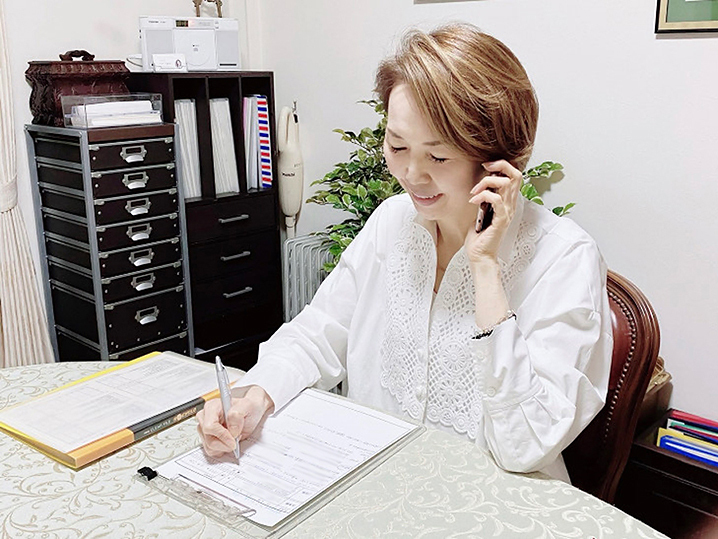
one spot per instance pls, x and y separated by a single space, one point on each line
488 331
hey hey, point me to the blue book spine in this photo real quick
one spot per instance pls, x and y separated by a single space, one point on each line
689 450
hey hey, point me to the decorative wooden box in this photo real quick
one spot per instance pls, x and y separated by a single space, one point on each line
51 80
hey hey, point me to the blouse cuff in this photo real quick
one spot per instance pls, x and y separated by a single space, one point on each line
504 372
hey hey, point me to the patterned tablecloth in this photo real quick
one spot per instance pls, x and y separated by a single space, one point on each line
438 486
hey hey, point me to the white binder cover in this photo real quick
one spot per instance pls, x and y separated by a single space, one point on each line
186 119
226 178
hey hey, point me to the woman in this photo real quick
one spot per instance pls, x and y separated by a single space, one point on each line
501 335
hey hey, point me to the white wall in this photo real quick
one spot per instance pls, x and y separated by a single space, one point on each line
631 116
44 29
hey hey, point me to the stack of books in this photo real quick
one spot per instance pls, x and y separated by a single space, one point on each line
690 435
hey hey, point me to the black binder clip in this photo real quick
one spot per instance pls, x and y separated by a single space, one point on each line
147 472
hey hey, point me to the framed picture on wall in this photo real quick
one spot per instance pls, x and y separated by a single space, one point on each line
686 16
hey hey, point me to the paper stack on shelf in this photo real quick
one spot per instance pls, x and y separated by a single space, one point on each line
188 147
115 113
226 178
690 435
257 142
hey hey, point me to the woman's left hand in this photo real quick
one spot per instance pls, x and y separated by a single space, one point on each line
500 188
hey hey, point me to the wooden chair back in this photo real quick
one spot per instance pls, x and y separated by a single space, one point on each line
596 459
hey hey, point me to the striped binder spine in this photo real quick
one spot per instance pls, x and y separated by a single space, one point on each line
265 152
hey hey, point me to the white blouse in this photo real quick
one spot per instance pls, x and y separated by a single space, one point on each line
524 393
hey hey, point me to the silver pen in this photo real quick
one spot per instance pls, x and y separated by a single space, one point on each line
225 395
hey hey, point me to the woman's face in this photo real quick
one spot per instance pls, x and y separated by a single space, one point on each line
437 177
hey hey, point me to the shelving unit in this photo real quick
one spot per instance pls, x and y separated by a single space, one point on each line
234 243
113 241
675 495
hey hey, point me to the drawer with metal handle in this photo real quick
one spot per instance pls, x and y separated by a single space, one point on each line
106 155
115 236
79 349
232 293
121 287
114 210
142 283
125 234
111 210
107 183
131 323
141 258
219 258
118 262
131 153
128 324
137 180
229 217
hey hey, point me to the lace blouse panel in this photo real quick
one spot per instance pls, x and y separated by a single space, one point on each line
409 297
426 358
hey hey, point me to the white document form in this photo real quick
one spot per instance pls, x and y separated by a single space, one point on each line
110 402
312 443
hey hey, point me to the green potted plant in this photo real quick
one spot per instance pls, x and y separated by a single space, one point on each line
360 184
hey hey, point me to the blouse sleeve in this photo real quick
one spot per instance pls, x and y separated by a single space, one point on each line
545 374
311 349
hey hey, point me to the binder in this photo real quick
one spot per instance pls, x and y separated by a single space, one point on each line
265 151
17 420
250 142
710 446
188 147
695 420
696 432
687 448
226 178
257 142
238 517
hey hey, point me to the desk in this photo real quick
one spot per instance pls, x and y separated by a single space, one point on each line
438 486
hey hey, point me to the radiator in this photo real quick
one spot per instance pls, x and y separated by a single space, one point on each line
304 258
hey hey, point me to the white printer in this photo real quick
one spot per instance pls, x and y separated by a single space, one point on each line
208 44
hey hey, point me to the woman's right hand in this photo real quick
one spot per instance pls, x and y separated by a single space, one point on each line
243 417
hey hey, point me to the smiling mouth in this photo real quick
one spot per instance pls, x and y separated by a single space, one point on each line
426 198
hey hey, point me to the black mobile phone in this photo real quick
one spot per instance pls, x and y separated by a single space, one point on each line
485 213
484 216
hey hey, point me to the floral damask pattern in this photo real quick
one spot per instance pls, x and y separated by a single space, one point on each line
438 486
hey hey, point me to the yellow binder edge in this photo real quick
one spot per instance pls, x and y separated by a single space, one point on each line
678 434
88 453
105 371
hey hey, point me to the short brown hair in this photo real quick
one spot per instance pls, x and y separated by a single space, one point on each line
470 88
